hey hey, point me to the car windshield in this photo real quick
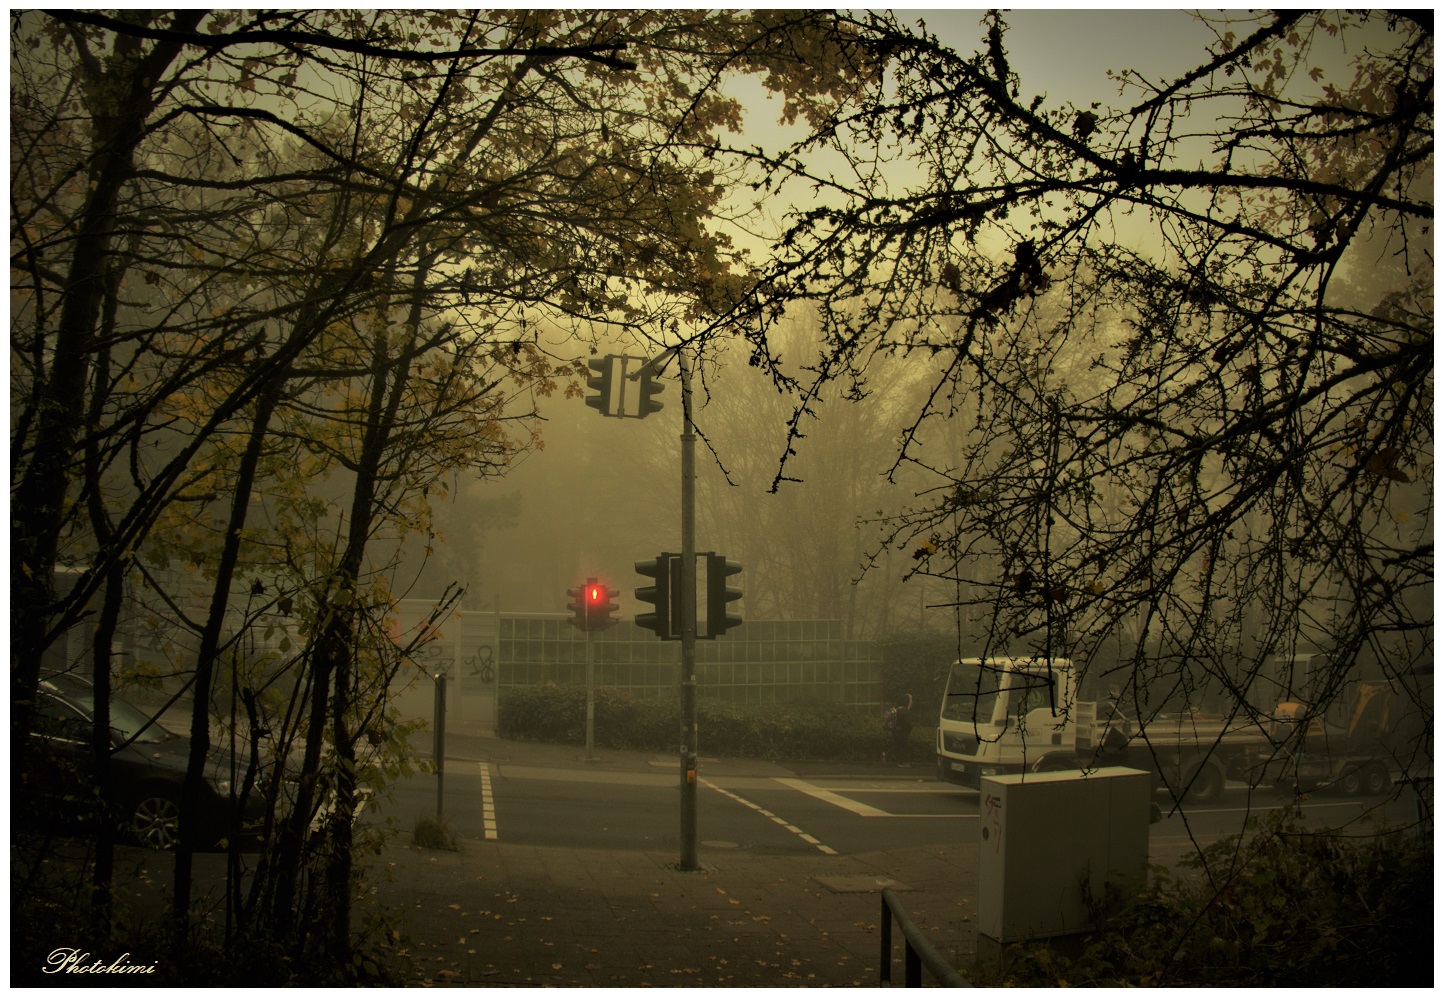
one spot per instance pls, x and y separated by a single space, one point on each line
129 722
132 724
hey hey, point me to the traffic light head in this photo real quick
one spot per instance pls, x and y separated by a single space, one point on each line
649 389
663 595
580 607
602 383
718 595
599 608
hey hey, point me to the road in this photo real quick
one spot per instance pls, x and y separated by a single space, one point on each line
576 807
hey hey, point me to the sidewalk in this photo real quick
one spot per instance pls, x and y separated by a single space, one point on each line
500 913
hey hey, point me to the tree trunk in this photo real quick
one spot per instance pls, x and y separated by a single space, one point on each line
101 874
207 653
39 500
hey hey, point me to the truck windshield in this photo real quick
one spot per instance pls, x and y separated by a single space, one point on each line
973 690
1027 691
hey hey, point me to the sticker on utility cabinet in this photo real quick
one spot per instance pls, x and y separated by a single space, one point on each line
992 821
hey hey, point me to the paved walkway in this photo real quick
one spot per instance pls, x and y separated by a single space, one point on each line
498 913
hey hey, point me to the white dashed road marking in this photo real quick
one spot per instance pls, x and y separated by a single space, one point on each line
491 830
767 814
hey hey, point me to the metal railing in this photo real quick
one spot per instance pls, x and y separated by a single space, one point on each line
917 950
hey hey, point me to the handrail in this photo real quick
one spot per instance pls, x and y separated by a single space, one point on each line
917 950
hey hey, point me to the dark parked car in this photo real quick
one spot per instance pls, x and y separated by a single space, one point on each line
148 767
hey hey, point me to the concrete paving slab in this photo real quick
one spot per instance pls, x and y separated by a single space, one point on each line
868 884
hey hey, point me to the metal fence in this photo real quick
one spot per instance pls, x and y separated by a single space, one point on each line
762 661
485 654
918 951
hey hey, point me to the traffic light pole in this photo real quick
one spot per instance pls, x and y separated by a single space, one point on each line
688 625
589 696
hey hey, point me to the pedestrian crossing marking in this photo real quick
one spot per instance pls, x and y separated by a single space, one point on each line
491 828
780 821
846 803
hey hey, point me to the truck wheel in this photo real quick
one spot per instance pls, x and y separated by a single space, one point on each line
1353 781
1056 762
1377 780
1207 786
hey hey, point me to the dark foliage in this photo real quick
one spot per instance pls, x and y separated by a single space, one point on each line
51 911
1284 908
812 731
917 663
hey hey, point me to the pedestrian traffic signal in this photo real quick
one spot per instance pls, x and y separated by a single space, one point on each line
663 595
649 389
592 604
718 594
578 605
599 610
602 382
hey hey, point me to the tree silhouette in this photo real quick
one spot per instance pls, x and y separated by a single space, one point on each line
256 255
1184 343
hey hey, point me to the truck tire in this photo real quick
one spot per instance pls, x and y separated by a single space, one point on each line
1056 762
1377 780
1352 782
1207 785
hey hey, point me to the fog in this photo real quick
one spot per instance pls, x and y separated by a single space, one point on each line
602 493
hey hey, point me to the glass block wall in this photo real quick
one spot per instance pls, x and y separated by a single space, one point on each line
761 661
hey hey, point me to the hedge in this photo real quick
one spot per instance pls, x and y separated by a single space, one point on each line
804 732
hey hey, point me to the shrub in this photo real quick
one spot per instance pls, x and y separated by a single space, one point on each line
1282 907
433 833
812 731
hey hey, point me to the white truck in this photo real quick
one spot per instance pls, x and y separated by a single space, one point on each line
1015 715
1000 715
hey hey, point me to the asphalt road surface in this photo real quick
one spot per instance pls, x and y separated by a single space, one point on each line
580 808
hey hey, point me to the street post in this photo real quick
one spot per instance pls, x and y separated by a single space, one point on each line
688 624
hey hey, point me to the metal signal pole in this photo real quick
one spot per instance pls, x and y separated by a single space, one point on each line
590 696
688 625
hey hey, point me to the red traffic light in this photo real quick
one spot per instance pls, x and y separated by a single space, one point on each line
592 606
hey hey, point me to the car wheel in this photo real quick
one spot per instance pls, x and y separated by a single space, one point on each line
155 820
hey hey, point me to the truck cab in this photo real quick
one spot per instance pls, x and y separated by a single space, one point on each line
999 715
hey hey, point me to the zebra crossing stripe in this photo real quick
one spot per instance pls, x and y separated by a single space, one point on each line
491 829
780 821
